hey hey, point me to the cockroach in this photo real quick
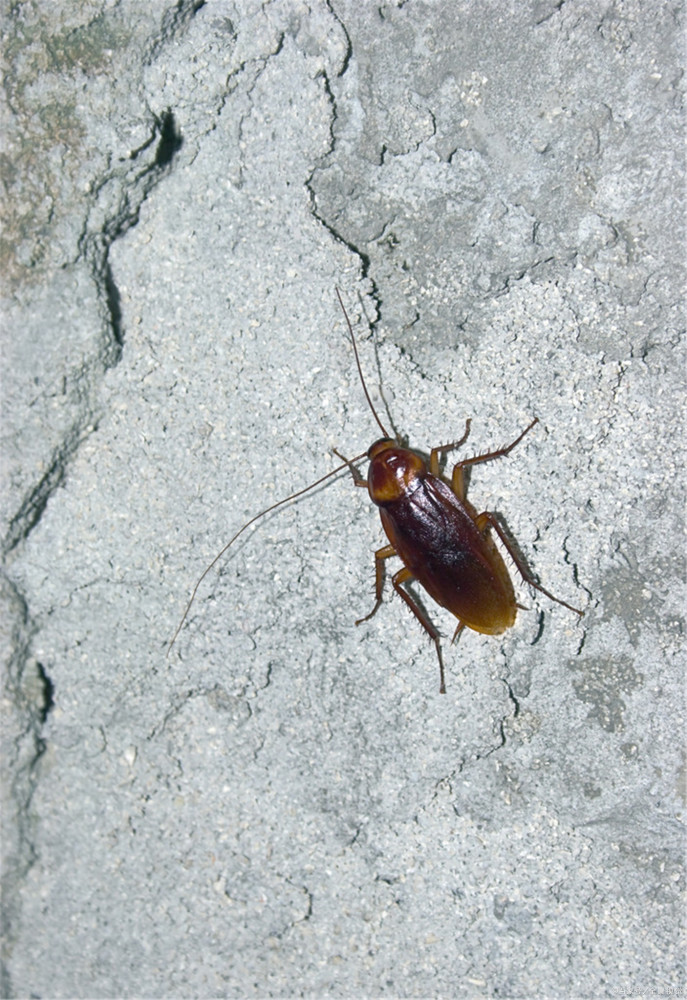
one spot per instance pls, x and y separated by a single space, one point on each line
443 543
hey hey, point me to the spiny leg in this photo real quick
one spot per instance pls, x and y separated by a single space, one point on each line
488 519
444 448
380 555
459 628
357 475
401 577
458 478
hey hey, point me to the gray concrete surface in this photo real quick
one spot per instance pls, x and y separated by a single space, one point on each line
286 805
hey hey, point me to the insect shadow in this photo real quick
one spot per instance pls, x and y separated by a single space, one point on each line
443 543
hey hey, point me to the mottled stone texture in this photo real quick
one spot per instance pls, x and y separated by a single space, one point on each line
285 805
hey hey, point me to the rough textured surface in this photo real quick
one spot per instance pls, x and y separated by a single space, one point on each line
286 805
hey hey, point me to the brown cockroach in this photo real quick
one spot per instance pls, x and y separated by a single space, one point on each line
443 543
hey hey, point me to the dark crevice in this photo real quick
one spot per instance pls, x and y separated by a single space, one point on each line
30 700
31 510
173 21
125 186
540 629
95 249
498 746
364 258
502 723
48 691
339 237
310 186
170 140
349 45
114 306
547 15
514 700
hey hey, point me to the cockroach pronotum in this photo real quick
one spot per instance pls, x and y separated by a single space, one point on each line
443 543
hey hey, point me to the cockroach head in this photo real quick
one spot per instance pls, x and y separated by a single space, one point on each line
379 446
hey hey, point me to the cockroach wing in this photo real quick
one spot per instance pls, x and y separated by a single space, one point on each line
436 537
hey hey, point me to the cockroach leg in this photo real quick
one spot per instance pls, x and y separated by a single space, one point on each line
458 478
489 520
444 448
399 578
459 628
380 555
500 452
358 477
